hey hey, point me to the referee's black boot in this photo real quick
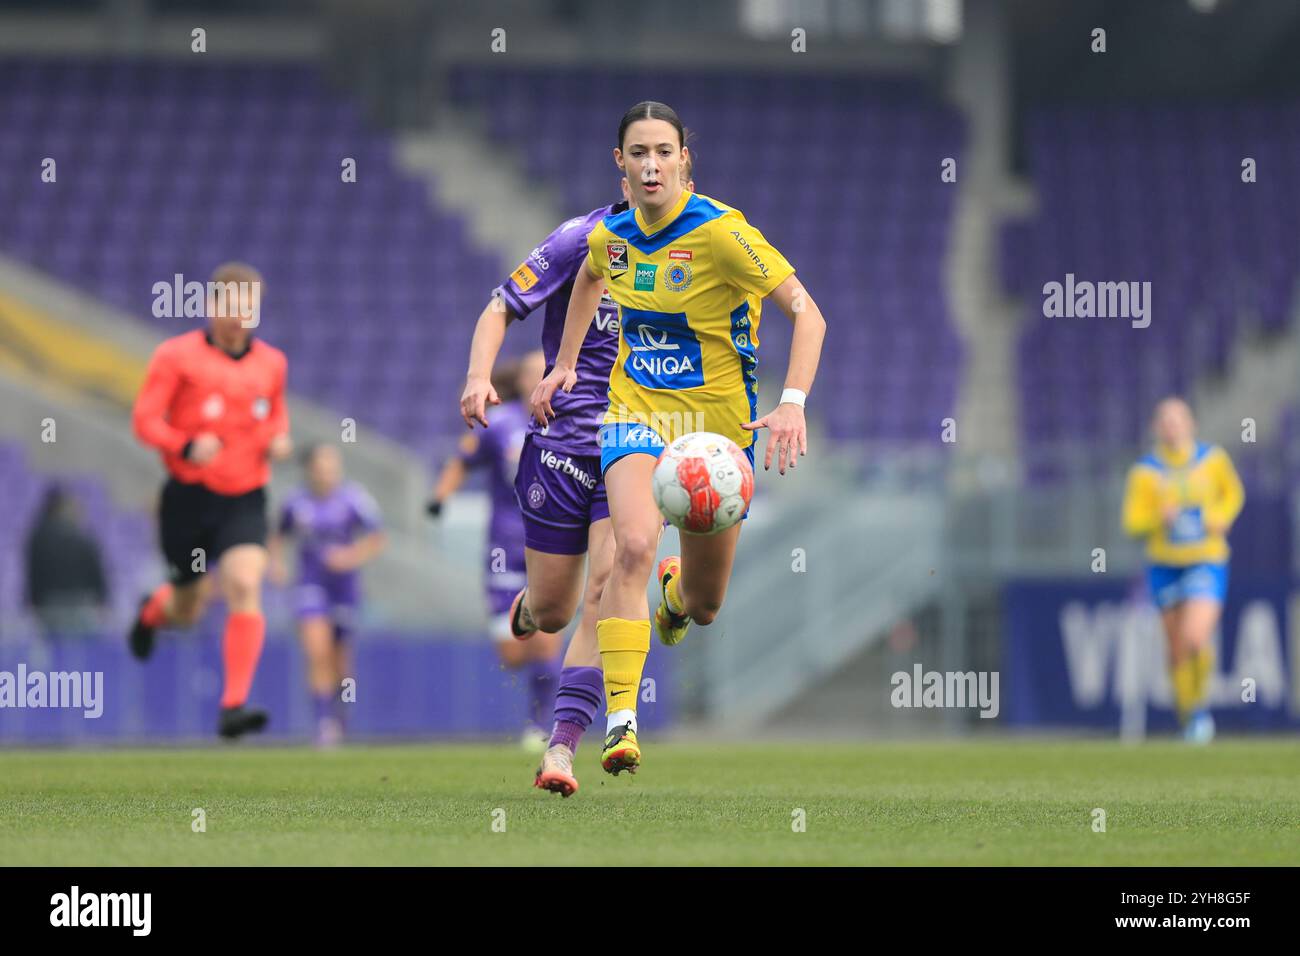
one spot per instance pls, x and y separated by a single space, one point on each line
237 721
142 635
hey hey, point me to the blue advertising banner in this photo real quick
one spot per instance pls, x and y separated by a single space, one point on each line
1091 654
88 691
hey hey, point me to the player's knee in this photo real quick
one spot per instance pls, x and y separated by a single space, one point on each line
703 612
635 553
549 615
242 589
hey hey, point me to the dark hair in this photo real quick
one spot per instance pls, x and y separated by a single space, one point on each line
308 454
651 109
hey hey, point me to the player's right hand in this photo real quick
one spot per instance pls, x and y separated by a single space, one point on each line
478 395
540 402
204 447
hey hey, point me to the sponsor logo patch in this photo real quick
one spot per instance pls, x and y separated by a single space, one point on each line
685 255
663 350
749 251
566 466
645 277
524 277
617 252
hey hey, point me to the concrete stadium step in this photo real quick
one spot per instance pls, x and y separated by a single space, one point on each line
507 211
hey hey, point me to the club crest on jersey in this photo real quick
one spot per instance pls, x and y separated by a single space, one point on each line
678 277
617 252
213 406
261 408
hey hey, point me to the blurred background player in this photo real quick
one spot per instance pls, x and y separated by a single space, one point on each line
213 405
338 528
66 587
1182 499
498 452
687 269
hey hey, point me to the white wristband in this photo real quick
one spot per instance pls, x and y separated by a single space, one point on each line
794 396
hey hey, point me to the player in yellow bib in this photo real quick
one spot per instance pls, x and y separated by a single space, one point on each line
1181 500
688 274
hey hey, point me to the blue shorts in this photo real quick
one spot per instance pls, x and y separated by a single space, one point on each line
620 439
1172 585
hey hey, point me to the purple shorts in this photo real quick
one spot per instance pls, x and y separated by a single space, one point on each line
339 605
560 496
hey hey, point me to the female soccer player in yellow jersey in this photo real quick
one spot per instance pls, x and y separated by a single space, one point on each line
688 274
1182 499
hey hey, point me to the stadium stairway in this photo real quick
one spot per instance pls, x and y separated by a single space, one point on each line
88 389
825 580
1259 383
987 319
507 211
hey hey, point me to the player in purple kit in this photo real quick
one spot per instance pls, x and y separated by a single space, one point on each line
499 451
560 490
337 525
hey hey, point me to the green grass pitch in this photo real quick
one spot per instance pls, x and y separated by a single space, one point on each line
1004 802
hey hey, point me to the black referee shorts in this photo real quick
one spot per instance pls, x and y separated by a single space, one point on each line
193 517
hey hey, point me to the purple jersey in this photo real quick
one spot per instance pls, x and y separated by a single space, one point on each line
546 278
498 452
320 524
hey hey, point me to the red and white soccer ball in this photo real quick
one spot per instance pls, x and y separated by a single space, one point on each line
703 483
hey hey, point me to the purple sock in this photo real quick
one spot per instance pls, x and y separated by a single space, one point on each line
582 691
542 678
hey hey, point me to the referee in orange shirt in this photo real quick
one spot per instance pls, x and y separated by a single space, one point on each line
213 405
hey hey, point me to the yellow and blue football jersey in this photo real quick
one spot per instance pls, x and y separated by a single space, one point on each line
688 289
1202 485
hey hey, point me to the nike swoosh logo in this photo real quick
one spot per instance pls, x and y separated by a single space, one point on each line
617 275
615 693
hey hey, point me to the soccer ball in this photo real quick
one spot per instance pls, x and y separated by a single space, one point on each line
703 483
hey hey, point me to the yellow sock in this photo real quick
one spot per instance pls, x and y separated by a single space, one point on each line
1203 668
1184 679
673 594
623 648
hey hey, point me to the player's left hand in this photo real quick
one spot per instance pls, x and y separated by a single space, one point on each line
281 447
787 435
